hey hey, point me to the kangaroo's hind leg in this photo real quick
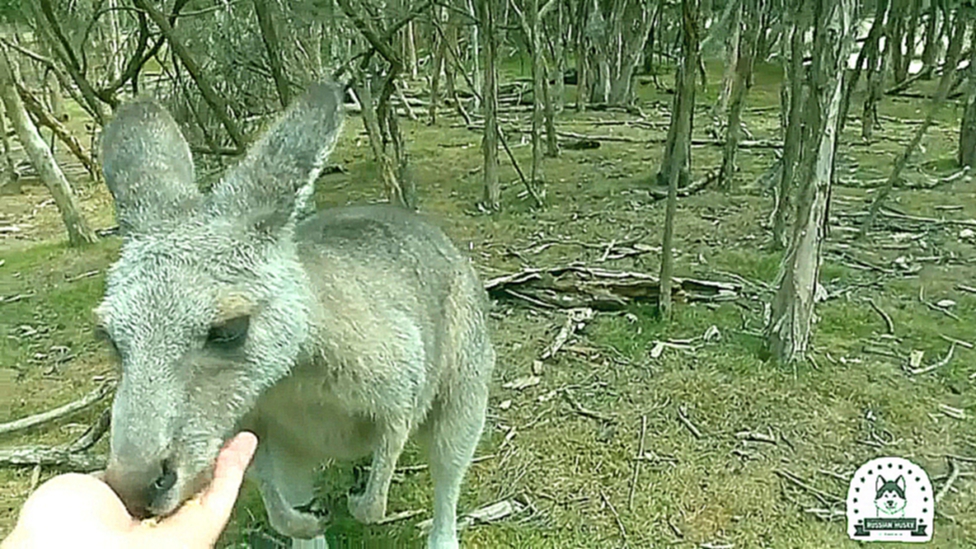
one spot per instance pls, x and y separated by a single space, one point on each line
455 425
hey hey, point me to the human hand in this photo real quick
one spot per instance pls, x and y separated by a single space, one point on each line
75 510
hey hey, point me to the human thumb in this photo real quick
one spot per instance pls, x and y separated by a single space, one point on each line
200 521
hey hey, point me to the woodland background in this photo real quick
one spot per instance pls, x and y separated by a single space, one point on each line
731 244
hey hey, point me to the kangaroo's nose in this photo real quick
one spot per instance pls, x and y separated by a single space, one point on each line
140 486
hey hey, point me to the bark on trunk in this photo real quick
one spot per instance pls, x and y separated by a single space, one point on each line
215 100
948 76
791 140
538 81
492 190
868 53
682 121
33 105
742 82
792 311
440 46
967 132
896 34
271 44
932 34
40 156
8 176
732 41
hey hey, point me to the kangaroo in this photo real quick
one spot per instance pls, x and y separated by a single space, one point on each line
334 336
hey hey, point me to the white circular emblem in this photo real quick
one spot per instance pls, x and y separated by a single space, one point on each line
890 499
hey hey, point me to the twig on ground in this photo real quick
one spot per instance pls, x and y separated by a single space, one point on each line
574 319
93 434
58 413
404 515
945 360
616 516
965 288
47 456
826 497
887 319
953 476
637 463
756 437
958 342
687 422
579 409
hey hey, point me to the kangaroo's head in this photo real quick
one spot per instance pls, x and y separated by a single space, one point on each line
207 305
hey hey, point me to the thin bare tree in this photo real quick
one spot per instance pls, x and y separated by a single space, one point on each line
681 121
79 232
792 313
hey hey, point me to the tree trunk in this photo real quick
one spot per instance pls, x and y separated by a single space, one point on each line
627 54
792 316
967 132
869 52
596 32
8 175
896 36
273 47
40 156
732 41
877 67
537 179
791 141
475 56
932 35
34 106
743 81
948 75
411 53
492 194
213 99
440 45
552 141
682 121
582 58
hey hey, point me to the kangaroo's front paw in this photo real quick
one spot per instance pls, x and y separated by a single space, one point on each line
303 524
365 509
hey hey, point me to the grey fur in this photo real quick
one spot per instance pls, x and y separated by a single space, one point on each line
364 326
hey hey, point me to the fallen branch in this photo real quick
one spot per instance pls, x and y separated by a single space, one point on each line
953 476
574 319
578 286
616 517
661 194
887 319
93 434
687 422
640 452
826 497
46 457
579 409
945 360
58 413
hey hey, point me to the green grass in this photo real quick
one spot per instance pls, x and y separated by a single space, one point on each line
828 414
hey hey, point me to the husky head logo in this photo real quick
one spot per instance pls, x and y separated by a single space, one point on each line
889 497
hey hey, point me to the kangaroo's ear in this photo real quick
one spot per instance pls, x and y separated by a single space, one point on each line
276 177
148 168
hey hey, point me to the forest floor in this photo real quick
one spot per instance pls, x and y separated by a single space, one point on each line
571 475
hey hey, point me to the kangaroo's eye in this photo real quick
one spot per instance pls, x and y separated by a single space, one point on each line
229 334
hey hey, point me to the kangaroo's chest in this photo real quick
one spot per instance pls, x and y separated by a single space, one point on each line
306 416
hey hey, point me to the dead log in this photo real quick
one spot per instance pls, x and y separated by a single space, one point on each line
57 413
576 286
